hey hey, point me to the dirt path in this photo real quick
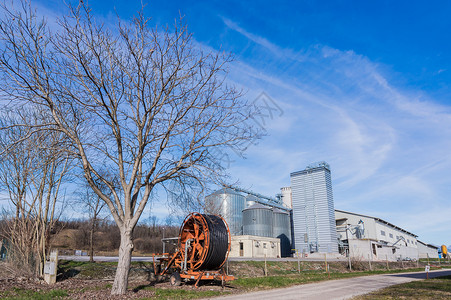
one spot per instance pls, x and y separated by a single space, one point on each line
338 289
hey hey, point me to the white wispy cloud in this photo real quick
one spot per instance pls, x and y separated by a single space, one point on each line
387 145
263 42
356 133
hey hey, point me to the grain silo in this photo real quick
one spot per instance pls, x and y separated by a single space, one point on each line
229 204
282 230
313 209
258 220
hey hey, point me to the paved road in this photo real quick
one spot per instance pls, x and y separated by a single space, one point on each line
337 289
103 258
149 258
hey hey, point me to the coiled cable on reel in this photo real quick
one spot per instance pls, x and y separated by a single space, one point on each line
208 240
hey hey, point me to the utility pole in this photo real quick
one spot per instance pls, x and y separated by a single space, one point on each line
349 248
266 268
164 244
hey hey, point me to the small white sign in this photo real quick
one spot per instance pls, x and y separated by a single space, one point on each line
426 269
49 268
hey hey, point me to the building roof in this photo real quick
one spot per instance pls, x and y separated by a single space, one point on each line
225 191
257 206
279 211
429 245
313 167
379 220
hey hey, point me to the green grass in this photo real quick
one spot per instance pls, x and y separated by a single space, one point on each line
22 294
86 269
437 288
279 281
274 267
175 294
435 260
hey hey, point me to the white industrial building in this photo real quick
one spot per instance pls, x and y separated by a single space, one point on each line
427 250
254 246
367 237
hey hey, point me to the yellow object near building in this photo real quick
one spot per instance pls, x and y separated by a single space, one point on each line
444 250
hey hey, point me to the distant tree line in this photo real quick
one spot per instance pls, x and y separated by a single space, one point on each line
71 235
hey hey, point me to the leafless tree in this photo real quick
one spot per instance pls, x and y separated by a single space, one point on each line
31 173
147 104
91 203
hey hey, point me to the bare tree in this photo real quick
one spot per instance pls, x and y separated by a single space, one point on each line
147 104
91 203
32 173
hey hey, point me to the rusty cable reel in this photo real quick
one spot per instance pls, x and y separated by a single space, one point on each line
204 242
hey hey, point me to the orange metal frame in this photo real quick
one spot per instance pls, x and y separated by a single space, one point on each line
192 248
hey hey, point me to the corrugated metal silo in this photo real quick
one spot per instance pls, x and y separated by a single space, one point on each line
313 210
250 200
282 230
257 220
228 204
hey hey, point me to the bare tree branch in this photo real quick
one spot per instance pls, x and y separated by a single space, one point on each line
148 105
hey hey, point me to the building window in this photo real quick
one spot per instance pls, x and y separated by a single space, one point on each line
382 232
264 245
408 241
391 235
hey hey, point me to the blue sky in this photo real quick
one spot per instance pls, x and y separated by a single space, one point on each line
363 86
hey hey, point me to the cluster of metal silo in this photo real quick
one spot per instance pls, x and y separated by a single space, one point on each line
245 215
261 220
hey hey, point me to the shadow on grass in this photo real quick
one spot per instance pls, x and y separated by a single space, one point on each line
66 269
189 283
144 286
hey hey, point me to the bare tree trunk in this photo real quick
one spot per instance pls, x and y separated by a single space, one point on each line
123 265
91 241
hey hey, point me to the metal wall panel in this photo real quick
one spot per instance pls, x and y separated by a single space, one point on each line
258 220
229 205
282 230
313 210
